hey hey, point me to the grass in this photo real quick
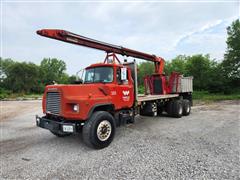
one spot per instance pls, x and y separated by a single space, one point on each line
7 94
19 96
33 96
206 96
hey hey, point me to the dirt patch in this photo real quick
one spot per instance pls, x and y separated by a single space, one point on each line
211 108
28 128
13 145
214 106
11 109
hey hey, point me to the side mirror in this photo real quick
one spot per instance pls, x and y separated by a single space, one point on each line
123 74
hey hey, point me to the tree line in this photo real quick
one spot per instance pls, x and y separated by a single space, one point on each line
27 77
209 74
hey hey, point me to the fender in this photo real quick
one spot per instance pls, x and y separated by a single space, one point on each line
105 106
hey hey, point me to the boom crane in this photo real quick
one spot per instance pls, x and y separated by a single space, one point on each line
108 95
69 37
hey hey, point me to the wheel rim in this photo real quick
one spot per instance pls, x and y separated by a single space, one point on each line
104 130
155 113
154 109
180 110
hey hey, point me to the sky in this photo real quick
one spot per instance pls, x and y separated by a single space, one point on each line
166 29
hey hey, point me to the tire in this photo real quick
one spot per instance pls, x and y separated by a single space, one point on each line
150 109
159 110
186 107
169 108
177 109
60 134
92 130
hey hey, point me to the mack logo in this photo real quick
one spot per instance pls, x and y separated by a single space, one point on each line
125 93
52 89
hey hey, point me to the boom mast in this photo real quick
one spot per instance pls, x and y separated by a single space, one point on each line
69 37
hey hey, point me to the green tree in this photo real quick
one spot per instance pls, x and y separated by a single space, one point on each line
144 68
72 79
5 66
53 70
231 62
23 77
199 66
64 79
216 80
177 64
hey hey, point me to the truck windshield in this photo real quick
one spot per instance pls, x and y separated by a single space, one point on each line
99 74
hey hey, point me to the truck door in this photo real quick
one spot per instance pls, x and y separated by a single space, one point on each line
124 89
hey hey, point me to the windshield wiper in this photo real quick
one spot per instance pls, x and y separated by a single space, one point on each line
88 82
100 81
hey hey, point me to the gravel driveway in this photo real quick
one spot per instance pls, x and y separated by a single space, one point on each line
202 145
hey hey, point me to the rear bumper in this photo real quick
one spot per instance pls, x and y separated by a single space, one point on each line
54 126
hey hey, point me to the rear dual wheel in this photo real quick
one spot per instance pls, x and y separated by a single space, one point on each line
186 107
179 108
159 110
154 112
149 109
175 108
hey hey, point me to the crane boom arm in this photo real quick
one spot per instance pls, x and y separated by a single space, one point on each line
69 37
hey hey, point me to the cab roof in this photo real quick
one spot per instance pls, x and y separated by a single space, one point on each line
104 65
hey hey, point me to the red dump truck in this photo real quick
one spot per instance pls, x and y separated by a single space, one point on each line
107 96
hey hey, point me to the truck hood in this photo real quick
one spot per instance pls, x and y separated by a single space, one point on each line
85 95
80 90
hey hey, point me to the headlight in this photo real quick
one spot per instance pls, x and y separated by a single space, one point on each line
76 107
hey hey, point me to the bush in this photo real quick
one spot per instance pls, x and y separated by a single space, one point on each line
4 93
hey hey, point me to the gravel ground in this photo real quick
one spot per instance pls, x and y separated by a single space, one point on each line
202 145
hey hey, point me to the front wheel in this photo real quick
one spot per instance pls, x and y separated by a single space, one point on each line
98 131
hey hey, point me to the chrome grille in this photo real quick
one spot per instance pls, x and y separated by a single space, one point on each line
53 103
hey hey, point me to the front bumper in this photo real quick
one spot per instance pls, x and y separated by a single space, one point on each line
55 126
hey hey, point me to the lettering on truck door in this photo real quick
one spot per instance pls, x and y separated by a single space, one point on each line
124 90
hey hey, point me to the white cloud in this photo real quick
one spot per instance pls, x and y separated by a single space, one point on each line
203 29
164 29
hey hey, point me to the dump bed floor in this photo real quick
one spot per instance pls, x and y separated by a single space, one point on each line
142 98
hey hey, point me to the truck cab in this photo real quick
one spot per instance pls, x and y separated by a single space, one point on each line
104 85
106 92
